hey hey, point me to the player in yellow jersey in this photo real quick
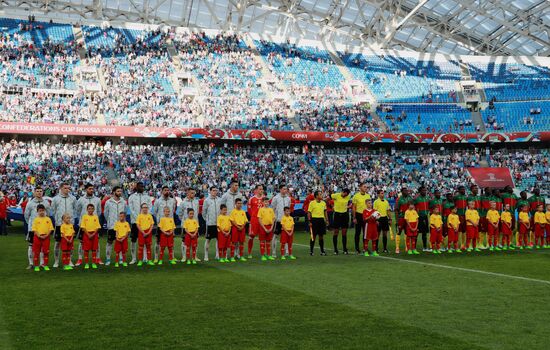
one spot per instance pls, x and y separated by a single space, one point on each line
144 223
453 229
506 228
239 221
436 230
524 227
493 225
42 229
539 221
266 218
191 229
89 225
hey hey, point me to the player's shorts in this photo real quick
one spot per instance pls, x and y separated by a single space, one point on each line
462 225
90 243
491 230
341 220
166 240
412 233
57 234
121 246
278 228
371 232
539 230
423 226
452 234
134 233
383 223
401 224
472 232
483 224
191 241
111 235
264 236
506 231
255 227
30 237
286 238
318 227
211 232
66 245
436 236
238 236
523 230
142 240
224 242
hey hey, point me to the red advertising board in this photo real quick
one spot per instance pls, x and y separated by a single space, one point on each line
491 177
269 135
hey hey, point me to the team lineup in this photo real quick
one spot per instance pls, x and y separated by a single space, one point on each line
497 220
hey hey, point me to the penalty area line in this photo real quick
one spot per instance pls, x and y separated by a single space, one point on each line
495 274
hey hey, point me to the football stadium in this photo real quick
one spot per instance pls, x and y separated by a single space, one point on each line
274 174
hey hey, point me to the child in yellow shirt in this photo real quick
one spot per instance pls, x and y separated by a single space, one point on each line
506 227
472 227
411 218
42 229
166 227
239 220
493 224
524 227
122 230
453 228
144 223
539 220
191 229
224 233
266 218
67 241
287 234
89 225
436 230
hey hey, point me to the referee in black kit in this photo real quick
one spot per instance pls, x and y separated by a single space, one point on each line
318 220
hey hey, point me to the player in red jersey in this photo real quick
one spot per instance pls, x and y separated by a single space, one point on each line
254 205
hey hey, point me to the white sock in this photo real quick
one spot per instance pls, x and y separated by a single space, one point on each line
206 247
108 250
56 252
156 249
80 251
274 246
183 249
217 252
30 255
41 259
98 254
133 251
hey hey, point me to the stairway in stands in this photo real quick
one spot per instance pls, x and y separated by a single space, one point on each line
348 78
477 119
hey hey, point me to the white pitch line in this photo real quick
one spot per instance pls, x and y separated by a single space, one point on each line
458 268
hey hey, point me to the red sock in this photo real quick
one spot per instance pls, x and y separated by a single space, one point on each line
148 246
268 247
232 249
413 239
171 253
468 243
86 258
283 250
262 247
140 252
161 253
408 243
289 248
94 256
250 245
374 245
241 249
365 245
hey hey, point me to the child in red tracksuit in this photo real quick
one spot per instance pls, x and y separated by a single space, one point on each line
506 227
191 228
167 227
224 233
122 230
370 218
411 219
42 229
144 223
472 227
436 230
89 224
266 218
67 240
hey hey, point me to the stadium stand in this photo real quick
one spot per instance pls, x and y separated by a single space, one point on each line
429 118
518 116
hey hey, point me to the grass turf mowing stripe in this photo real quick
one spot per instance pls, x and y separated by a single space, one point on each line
455 268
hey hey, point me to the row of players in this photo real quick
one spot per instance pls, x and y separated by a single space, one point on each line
64 203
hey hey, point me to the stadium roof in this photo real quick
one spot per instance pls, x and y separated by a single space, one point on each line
481 27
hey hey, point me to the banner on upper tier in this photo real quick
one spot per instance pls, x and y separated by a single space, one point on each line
491 177
268 135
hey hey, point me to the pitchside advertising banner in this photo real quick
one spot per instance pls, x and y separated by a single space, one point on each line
273 135
491 177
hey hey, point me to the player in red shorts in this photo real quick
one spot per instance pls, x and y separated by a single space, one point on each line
266 219
254 204
370 218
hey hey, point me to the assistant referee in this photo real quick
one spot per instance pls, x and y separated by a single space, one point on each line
318 220
341 219
382 206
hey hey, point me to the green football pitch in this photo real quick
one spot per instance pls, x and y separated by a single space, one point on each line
479 301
